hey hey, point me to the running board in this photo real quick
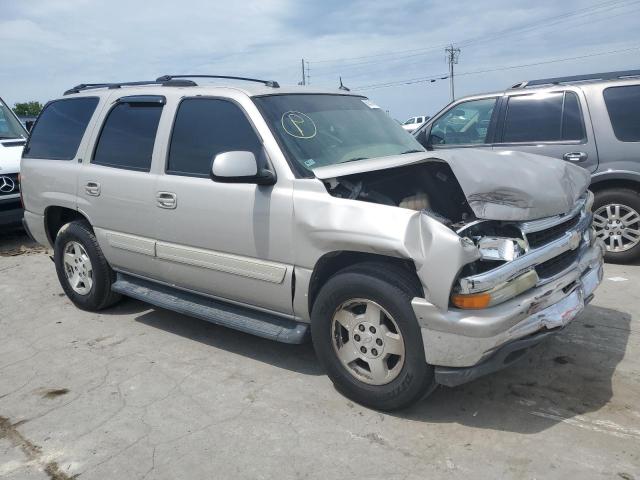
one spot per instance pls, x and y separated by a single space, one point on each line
261 324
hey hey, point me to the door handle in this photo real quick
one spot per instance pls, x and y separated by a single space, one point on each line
575 156
167 200
92 188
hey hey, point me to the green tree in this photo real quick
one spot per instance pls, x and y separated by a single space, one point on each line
27 109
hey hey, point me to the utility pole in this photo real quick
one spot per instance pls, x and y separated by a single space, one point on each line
304 77
452 58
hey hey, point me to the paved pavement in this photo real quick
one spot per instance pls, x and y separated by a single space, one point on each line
138 392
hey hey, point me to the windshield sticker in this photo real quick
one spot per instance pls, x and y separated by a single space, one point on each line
369 103
309 163
298 125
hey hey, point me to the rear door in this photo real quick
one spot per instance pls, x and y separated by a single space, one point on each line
116 187
548 123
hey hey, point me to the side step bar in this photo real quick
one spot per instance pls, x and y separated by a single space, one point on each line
246 320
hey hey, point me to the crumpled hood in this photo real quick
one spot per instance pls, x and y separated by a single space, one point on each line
505 185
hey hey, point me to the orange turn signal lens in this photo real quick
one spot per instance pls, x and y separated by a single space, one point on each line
472 300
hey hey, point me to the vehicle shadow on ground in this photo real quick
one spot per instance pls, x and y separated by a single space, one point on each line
297 358
568 376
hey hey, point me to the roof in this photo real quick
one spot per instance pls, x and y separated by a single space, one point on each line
248 86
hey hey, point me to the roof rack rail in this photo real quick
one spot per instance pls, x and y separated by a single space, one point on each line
579 78
168 83
268 83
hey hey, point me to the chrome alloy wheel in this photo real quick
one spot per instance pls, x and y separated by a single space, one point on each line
367 341
77 267
618 226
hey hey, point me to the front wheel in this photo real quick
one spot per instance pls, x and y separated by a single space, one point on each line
616 219
367 337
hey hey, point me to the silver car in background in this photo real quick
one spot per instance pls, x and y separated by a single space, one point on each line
590 120
285 212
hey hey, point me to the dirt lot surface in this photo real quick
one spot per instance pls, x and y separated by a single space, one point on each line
137 392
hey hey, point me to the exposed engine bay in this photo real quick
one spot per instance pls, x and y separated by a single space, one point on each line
430 187
433 189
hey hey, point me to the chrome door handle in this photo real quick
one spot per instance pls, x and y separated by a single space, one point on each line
92 188
575 156
167 200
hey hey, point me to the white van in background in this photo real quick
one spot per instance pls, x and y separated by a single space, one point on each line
13 137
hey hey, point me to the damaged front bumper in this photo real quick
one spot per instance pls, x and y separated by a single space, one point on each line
465 344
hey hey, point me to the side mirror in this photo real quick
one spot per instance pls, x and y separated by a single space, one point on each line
240 167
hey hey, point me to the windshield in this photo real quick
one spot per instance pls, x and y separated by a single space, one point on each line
9 126
319 130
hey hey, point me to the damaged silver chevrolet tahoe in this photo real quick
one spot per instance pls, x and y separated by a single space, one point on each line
279 211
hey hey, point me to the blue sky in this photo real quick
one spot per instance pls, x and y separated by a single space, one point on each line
47 46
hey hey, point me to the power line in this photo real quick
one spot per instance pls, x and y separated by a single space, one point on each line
385 64
435 78
548 21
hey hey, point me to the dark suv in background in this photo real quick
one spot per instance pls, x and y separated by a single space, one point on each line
590 120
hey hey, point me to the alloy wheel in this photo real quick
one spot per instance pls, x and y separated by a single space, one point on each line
78 268
367 341
618 226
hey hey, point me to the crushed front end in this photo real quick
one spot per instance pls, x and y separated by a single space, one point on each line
530 280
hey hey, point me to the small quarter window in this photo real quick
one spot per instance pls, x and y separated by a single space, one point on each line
623 105
129 133
58 132
205 127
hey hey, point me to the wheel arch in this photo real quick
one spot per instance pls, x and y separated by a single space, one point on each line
56 216
333 262
613 180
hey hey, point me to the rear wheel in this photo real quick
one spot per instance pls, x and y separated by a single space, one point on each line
616 219
83 272
368 339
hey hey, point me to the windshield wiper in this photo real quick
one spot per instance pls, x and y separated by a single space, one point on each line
354 159
412 151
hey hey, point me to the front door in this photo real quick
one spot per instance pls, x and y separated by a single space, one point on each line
465 124
228 240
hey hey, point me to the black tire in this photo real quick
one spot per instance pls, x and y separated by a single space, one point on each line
622 196
391 288
100 296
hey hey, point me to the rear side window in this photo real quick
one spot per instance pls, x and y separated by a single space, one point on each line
59 129
549 117
203 128
128 134
623 105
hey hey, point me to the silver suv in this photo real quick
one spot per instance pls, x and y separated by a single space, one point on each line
590 120
288 211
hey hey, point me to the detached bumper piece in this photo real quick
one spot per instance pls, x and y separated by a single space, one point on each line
502 358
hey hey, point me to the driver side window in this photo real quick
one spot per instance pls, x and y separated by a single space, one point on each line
465 124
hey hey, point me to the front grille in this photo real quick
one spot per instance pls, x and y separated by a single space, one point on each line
9 184
8 205
557 264
538 239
